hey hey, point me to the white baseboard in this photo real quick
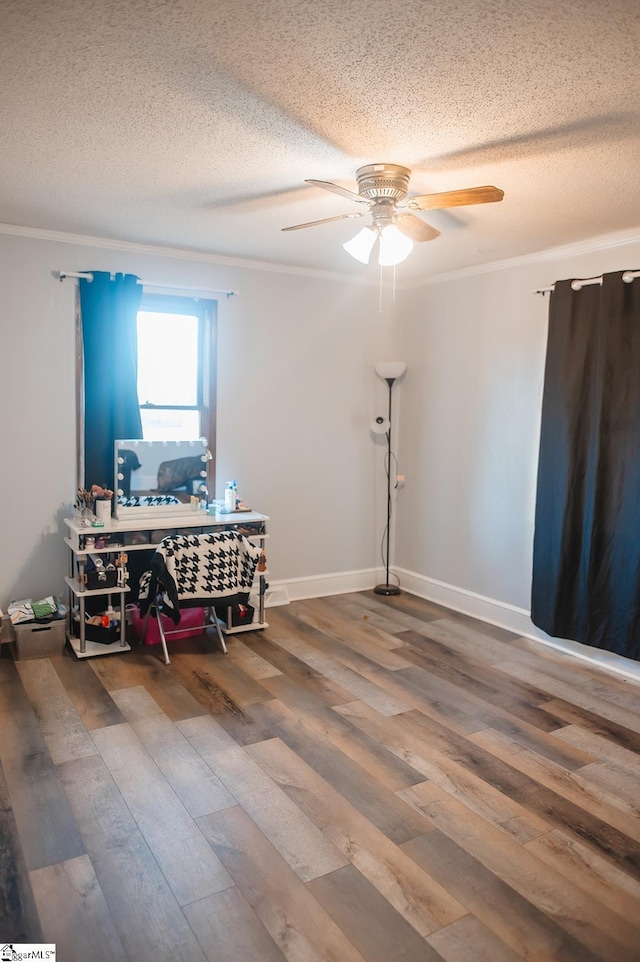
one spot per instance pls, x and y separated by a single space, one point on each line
318 586
517 620
478 606
498 613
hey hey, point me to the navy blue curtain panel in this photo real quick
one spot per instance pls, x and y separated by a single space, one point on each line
586 553
109 309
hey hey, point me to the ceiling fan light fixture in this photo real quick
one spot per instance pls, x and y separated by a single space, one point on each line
383 191
361 245
394 246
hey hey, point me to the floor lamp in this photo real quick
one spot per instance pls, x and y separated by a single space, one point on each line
389 371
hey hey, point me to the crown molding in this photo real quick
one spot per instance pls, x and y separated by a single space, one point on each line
178 253
589 246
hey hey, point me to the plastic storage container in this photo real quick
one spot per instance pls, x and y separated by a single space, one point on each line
97 633
191 623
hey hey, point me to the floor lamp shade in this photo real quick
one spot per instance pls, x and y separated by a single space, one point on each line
389 371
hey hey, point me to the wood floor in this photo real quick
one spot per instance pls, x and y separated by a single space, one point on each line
367 780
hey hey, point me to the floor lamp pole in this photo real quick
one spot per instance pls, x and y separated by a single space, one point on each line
386 588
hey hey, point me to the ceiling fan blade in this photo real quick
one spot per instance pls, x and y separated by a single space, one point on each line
336 189
326 220
456 198
416 229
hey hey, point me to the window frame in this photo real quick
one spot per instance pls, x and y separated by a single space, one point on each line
206 312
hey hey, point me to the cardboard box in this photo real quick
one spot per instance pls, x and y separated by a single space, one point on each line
34 640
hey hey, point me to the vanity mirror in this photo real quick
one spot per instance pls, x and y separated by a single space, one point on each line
159 477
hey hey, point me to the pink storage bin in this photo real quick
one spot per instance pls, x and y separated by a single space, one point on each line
191 623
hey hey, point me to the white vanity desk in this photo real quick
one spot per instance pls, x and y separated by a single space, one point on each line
121 531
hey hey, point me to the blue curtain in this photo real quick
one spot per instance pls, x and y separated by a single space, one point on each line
586 555
109 307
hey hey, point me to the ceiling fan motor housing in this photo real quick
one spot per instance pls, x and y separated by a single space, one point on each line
376 181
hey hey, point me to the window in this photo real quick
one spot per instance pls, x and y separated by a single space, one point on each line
176 368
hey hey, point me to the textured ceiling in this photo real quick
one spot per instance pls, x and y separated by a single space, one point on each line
194 123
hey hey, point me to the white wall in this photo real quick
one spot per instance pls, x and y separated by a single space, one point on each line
295 396
470 421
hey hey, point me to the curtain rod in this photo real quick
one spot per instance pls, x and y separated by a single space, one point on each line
61 275
577 285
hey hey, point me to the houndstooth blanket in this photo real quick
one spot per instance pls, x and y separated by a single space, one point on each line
199 569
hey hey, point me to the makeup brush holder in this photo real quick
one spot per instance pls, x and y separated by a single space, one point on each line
102 509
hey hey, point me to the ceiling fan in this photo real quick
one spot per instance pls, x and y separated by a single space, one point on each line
382 191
